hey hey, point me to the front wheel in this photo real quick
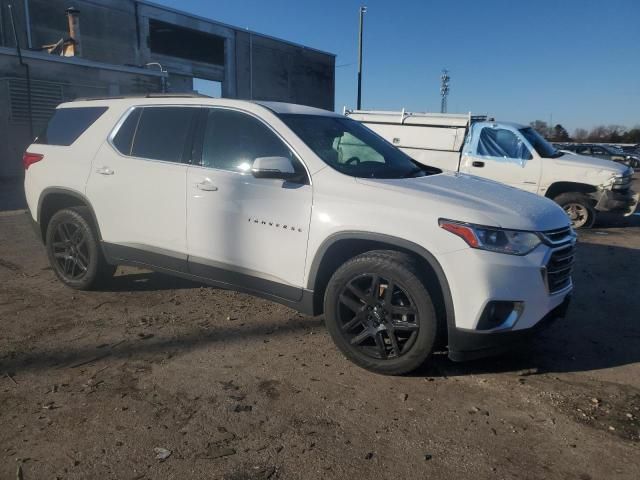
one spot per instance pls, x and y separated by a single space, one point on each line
380 314
579 209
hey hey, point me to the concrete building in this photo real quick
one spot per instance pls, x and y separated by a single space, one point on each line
118 47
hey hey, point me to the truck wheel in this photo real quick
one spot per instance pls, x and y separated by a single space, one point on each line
73 249
380 314
578 208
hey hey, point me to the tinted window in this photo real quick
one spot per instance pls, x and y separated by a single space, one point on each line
233 140
124 138
499 142
162 133
67 124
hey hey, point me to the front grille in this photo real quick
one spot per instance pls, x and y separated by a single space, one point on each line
559 267
559 235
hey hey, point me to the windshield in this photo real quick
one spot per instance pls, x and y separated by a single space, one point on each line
351 148
612 150
537 141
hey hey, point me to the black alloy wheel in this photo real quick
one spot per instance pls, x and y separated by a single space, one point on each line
74 250
379 312
377 316
71 251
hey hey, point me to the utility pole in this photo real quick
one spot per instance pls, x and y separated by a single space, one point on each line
444 90
363 10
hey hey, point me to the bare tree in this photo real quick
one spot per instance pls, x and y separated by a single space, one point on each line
580 135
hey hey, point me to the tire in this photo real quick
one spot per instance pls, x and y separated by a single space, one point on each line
73 249
578 207
392 332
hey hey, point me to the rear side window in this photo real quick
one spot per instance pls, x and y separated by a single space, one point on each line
162 133
67 124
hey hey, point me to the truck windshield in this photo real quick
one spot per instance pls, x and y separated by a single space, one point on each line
537 141
351 148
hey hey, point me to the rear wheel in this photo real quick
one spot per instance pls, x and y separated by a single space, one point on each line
74 251
380 314
578 207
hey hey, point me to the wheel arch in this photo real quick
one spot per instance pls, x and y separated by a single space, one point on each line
559 188
54 199
340 247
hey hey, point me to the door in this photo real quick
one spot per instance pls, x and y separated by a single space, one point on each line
138 186
243 230
500 153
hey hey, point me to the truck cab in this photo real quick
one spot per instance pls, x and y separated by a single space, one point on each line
512 154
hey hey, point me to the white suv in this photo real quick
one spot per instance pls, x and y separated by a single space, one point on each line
258 197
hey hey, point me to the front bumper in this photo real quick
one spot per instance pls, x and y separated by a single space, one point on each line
616 202
469 344
537 285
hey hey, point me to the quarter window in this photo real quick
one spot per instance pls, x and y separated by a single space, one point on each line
67 124
123 140
233 140
162 133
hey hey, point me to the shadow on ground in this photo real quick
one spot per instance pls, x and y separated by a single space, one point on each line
601 330
148 282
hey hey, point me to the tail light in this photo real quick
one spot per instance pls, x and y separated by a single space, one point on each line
29 159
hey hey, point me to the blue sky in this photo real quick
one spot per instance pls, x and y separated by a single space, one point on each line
575 60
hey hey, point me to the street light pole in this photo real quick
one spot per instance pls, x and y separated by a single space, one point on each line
363 10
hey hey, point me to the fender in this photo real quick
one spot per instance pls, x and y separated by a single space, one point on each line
72 193
395 242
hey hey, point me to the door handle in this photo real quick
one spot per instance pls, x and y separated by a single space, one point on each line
206 186
104 171
477 164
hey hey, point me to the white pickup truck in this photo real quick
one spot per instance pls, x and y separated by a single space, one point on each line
508 153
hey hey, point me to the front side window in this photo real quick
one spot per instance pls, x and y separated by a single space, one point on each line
233 140
500 142
351 148
67 124
161 133
540 145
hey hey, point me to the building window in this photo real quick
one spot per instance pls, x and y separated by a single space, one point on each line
175 41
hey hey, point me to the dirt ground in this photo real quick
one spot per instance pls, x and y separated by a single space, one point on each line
99 384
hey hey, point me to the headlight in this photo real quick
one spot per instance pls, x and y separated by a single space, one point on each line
512 242
622 180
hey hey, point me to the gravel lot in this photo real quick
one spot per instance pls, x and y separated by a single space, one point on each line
100 384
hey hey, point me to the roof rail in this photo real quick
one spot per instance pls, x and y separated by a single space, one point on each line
145 95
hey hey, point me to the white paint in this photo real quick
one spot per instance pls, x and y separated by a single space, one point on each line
240 220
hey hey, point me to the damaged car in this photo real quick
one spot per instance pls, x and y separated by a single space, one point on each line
512 154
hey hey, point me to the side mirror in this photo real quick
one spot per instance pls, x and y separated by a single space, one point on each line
273 167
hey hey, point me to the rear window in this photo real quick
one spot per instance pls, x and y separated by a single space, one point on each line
67 124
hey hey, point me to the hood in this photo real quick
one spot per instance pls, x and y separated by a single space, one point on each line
582 161
473 199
